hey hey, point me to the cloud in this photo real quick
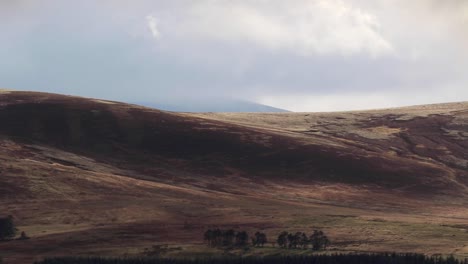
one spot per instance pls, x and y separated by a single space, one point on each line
359 101
153 26
306 28
304 55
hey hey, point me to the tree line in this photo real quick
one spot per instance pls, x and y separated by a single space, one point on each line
229 238
225 238
317 240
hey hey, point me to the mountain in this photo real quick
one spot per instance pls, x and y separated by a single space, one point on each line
211 105
84 176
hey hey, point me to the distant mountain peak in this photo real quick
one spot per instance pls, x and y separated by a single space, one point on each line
211 105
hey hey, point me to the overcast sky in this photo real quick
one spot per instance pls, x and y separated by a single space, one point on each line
301 55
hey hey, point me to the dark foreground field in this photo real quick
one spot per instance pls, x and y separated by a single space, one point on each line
86 177
316 259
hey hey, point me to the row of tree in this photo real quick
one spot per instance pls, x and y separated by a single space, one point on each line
229 238
225 238
318 240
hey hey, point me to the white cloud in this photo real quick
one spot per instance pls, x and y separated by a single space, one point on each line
153 26
328 103
301 27
363 101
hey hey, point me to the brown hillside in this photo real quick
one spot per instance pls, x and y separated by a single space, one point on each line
91 177
422 151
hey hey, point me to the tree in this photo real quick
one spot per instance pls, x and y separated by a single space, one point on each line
259 240
208 237
283 239
319 240
7 228
262 239
255 241
217 237
242 238
294 239
303 241
228 237
225 238
325 242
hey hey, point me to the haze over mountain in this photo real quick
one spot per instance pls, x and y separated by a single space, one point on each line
94 177
211 105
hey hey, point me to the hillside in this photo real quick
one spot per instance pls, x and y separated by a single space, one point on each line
84 176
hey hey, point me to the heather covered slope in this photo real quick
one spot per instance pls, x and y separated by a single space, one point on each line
91 177
363 148
433 135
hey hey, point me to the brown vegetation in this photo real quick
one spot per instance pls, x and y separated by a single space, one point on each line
83 176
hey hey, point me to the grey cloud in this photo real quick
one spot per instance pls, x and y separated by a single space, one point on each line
105 49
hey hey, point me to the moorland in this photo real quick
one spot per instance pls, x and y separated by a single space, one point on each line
88 177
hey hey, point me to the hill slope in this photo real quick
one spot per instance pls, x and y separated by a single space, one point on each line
80 172
389 150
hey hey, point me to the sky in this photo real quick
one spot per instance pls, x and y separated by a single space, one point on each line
300 55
